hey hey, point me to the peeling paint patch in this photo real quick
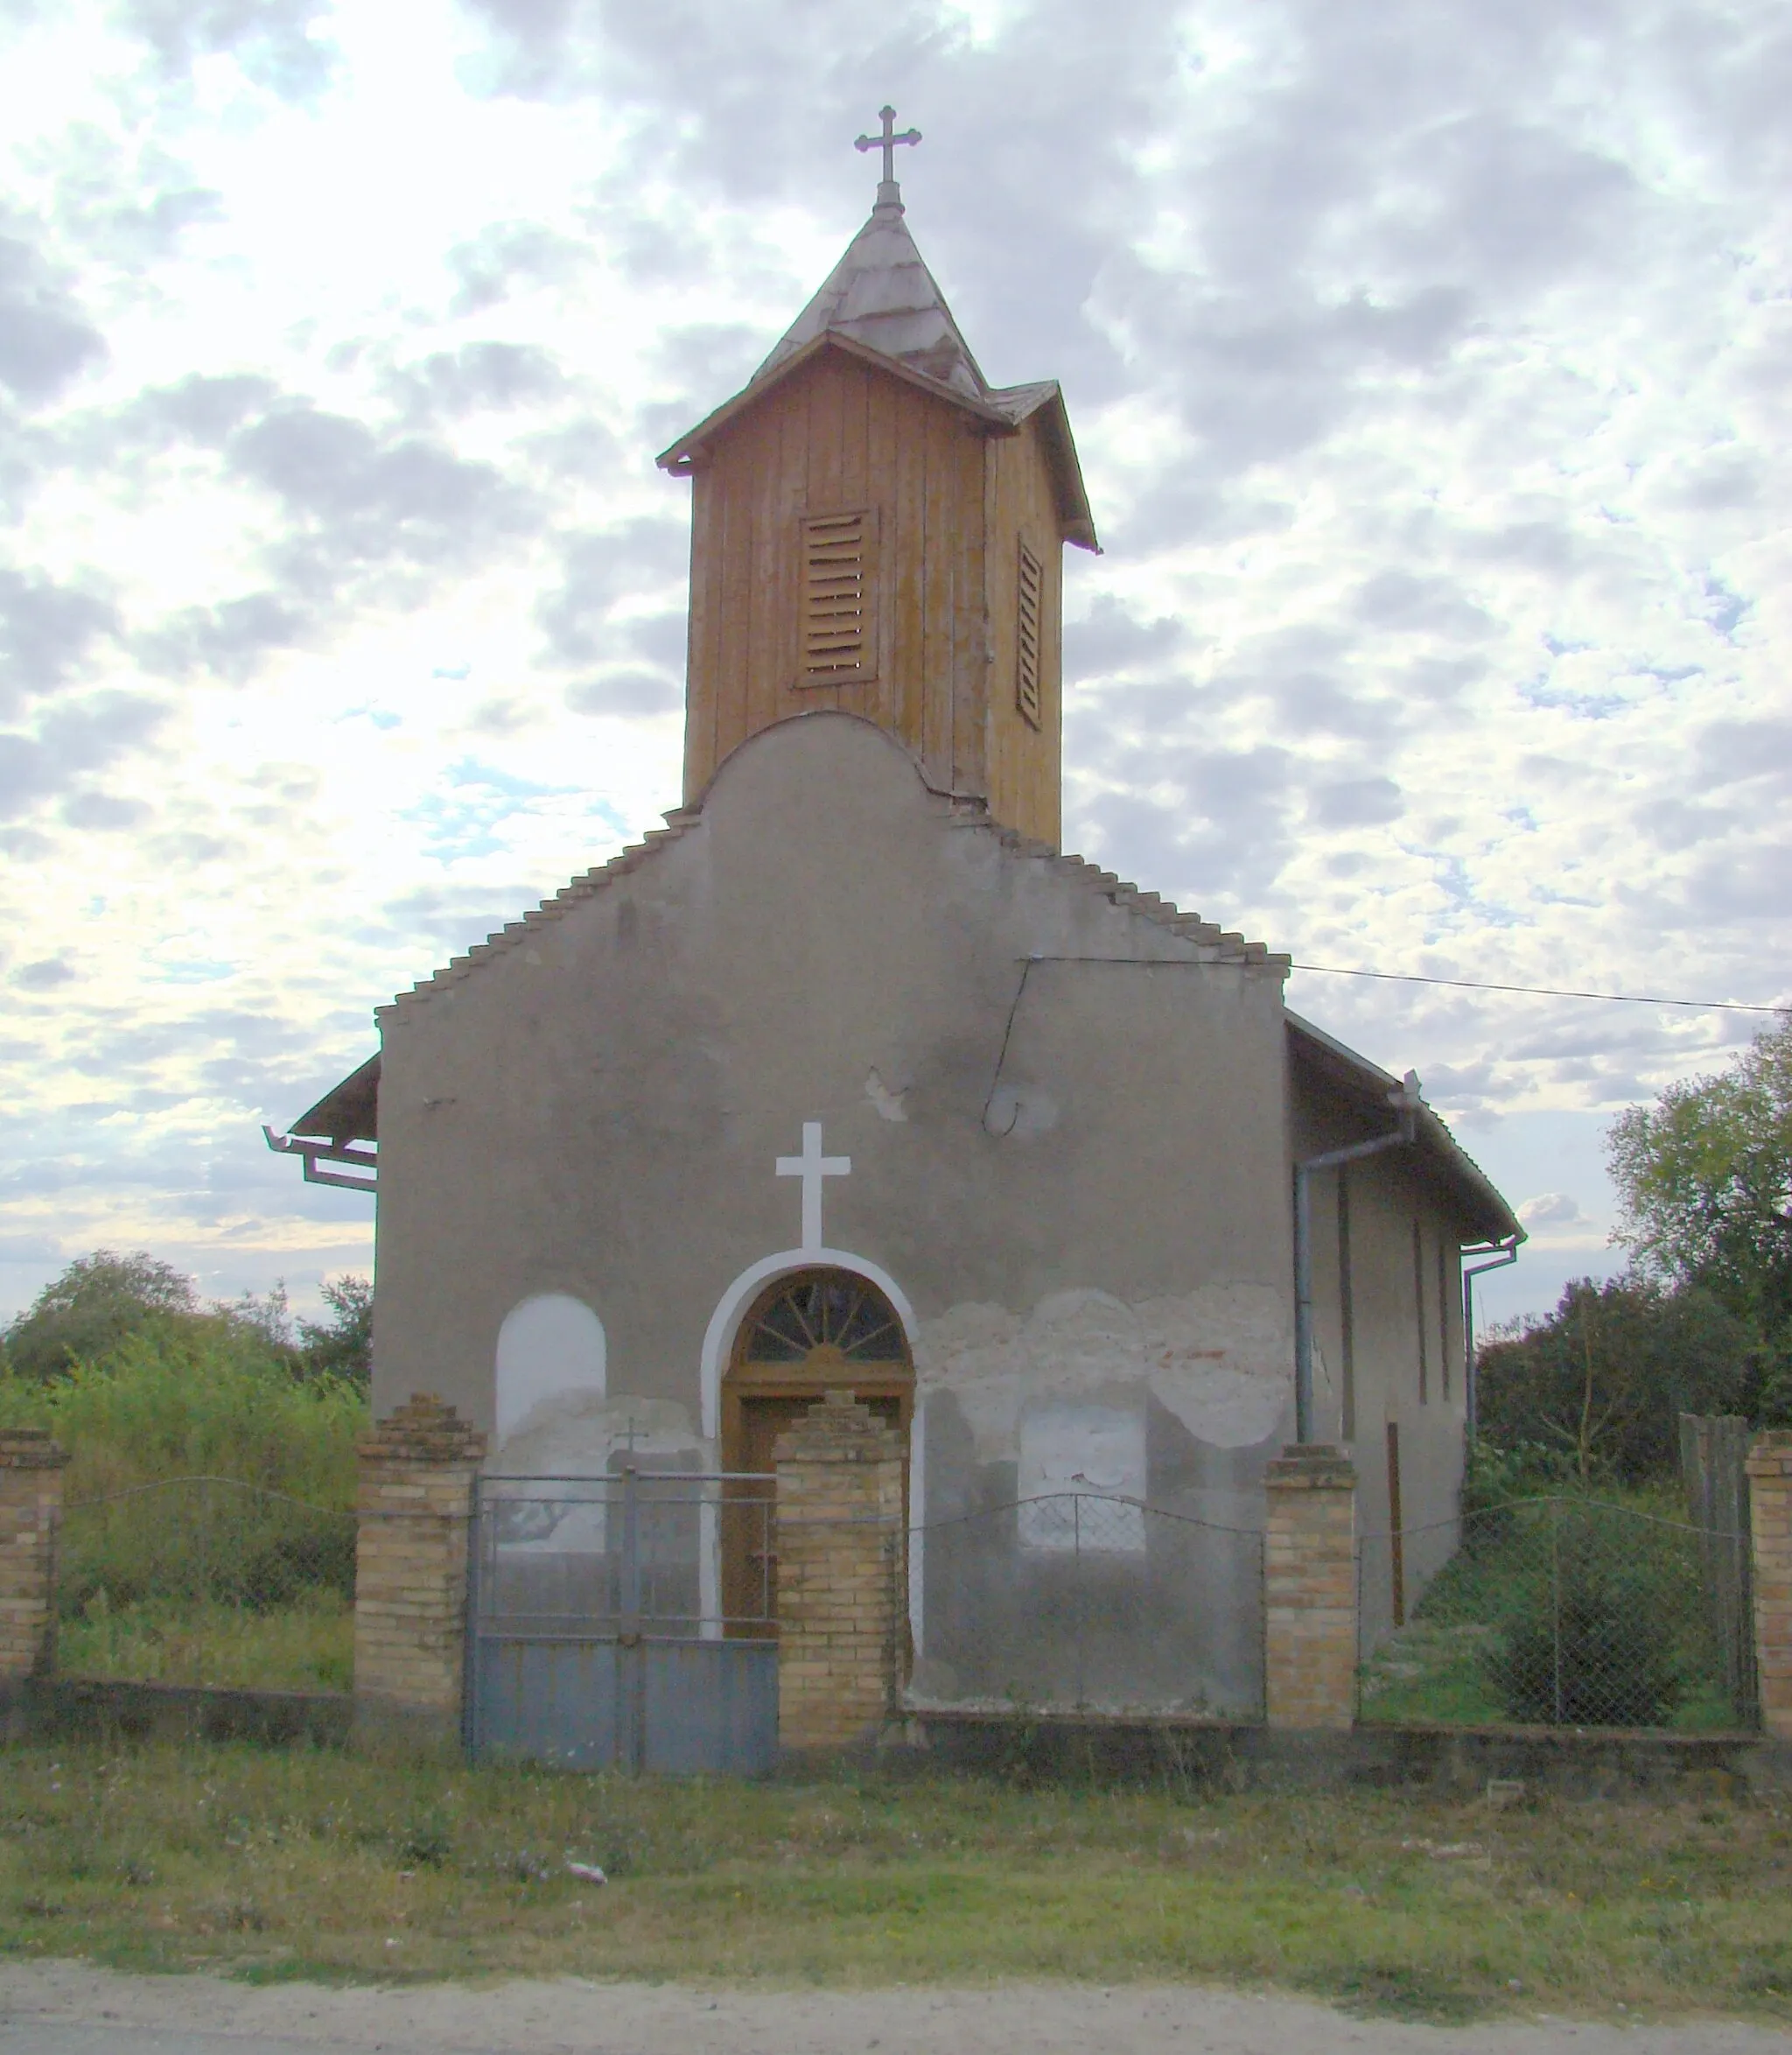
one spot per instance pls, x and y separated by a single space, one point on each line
887 1103
583 1433
1220 1359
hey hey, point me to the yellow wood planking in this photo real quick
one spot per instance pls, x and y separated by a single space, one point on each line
907 654
936 511
1024 788
967 608
699 666
949 502
893 697
860 695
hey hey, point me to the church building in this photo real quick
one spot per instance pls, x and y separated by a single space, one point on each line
851 1079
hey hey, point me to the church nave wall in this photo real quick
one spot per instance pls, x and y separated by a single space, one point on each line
595 1113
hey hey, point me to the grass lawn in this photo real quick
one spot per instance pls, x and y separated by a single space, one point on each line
306 1646
316 1865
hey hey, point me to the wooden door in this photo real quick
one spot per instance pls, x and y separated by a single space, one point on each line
809 1334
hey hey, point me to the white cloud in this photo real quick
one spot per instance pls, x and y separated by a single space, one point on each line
1550 1209
1430 367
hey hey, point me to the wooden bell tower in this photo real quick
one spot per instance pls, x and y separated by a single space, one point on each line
874 528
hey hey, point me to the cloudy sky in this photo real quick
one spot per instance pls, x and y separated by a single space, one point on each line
1432 365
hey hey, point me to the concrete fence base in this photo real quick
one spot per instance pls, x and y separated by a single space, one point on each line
1520 1765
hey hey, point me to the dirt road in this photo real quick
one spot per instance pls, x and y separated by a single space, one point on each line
64 2008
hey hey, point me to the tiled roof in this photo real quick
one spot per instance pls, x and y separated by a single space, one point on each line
1210 943
583 887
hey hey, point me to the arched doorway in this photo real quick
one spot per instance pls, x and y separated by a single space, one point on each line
808 1332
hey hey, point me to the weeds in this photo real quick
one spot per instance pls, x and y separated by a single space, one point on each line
274 1865
169 1402
307 1645
167 1574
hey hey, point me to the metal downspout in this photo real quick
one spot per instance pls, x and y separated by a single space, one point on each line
1406 1100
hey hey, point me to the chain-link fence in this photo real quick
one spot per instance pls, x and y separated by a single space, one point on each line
1560 1611
207 1581
1082 1602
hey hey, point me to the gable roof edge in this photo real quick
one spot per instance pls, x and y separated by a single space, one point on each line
1434 1135
679 822
682 457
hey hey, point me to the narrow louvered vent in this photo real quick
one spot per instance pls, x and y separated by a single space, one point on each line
1026 656
838 644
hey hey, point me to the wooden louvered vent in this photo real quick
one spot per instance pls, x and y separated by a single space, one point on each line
839 645
1027 651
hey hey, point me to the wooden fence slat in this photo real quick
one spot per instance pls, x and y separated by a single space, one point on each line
1713 1458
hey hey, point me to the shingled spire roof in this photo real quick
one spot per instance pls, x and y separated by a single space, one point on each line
881 303
882 295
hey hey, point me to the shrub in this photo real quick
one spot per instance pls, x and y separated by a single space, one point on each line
1587 1647
197 1398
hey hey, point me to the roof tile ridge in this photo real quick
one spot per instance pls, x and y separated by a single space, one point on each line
584 886
1212 943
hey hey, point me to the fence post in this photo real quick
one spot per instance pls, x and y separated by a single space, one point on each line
1310 1588
1714 1468
839 1508
1770 1508
417 1472
30 1513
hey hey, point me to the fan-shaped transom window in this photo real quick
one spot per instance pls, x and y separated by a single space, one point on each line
829 1313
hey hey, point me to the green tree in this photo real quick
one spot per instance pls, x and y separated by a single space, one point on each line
1602 1382
99 1302
342 1345
1704 1185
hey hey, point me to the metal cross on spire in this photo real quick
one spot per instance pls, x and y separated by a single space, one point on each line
889 190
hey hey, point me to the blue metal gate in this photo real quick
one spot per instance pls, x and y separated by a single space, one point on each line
625 1622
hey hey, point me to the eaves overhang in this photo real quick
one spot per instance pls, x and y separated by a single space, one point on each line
1004 412
342 1129
349 1111
1483 1203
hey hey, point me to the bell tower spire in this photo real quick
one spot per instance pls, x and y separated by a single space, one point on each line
876 528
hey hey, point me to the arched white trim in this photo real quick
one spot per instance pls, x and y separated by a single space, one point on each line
731 1310
718 1346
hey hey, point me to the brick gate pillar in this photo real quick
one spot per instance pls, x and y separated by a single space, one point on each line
1310 1588
1770 1516
418 1471
839 1538
31 1512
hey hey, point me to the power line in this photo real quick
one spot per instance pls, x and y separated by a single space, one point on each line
1628 999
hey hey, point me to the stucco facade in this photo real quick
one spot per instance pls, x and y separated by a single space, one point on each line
596 1109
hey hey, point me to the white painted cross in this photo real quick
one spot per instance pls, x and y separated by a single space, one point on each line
812 1166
